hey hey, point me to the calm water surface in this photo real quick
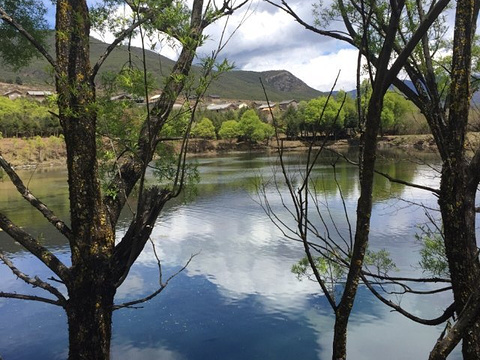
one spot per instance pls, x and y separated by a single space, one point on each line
238 298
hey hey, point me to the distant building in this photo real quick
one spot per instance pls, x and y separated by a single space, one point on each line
179 107
120 97
13 94
39 95
267 107
155 97
284 105
222 107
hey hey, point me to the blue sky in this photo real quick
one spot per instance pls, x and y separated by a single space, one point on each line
268 39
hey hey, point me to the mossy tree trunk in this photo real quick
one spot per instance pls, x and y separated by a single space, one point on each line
91 287
460 177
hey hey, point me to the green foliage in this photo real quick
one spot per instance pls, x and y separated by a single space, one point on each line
263 132
204 129
395 108
324 116
394 112
229 130
349 109
119 120
129 80
380 260
176 125
168 172
388 116
433 257
252 128
15 49
292 122
330 271
218 117
26 118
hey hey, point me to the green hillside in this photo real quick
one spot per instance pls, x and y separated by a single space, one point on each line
244 85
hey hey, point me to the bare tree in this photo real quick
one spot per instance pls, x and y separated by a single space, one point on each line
385 60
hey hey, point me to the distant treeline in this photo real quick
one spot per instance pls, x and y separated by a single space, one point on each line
336 116
27 118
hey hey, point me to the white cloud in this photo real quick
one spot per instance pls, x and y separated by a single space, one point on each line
317 71
265 38
270 39
128 351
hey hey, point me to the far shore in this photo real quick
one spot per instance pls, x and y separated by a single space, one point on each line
24 153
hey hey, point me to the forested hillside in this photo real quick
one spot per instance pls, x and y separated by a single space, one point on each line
236 84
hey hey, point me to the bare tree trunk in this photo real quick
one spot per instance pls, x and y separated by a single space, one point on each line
364 211
367 170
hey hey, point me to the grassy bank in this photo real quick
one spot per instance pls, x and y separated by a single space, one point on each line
33 151
51 151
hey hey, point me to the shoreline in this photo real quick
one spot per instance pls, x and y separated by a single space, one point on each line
50 152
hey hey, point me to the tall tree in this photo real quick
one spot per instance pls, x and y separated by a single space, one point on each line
99 263
385 60
446 107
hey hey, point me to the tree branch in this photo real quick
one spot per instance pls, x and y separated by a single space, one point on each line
9 20
163 285
32 245
36 203
225 10
117 41
29 297
134 240
35 282
388 177
466 319
401 59
333 34
448 313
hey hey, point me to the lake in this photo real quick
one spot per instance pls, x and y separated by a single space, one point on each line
238 298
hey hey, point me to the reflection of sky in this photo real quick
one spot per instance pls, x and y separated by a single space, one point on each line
238 298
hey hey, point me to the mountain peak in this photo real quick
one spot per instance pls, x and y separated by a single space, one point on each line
284 81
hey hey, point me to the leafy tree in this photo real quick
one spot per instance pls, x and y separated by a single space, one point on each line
229 130
250 126
218 117
24 118
349 109
99 264
388 115
442 93
292 122
17 47
324 115
204 129
263 132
